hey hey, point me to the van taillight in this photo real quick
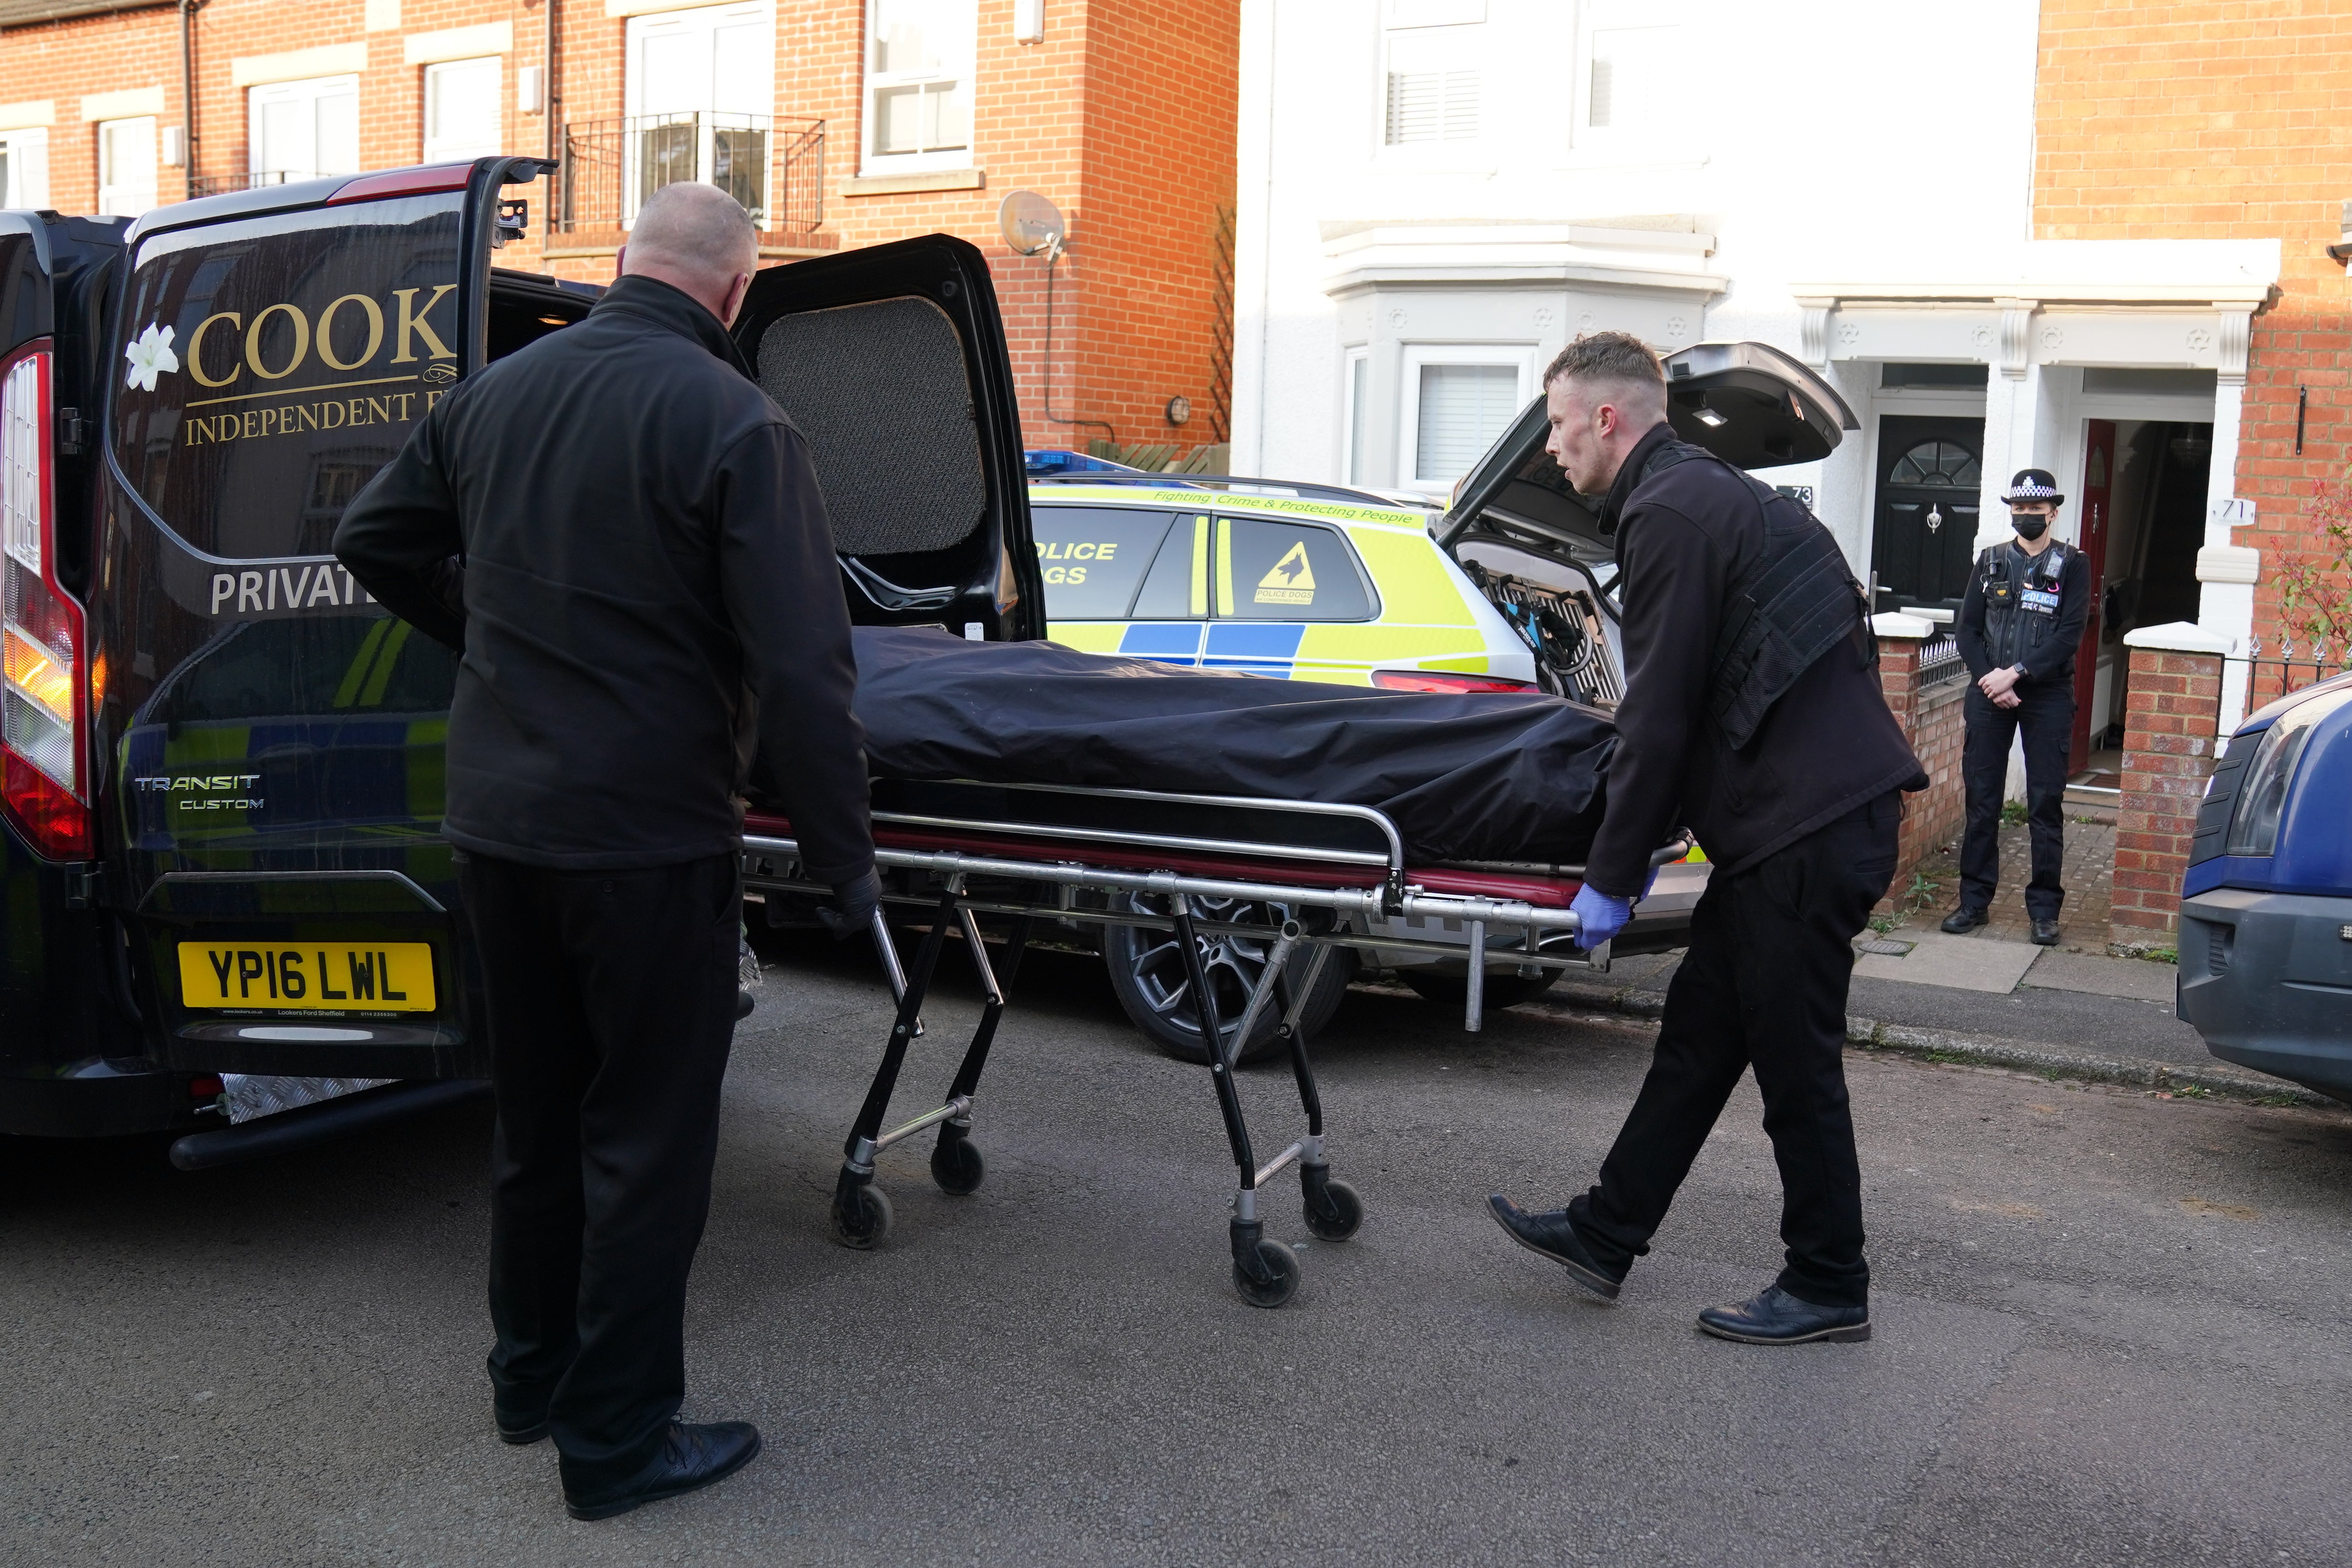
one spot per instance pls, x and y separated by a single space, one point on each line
42 705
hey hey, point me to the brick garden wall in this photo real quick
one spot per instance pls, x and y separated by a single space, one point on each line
1932 720
2171 711
2219 120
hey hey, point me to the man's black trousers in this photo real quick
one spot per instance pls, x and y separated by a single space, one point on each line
2044 716
1763 985
612 1006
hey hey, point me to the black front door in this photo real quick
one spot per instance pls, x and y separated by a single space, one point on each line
1929 477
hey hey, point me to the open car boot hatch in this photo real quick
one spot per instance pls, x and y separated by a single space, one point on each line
1536 548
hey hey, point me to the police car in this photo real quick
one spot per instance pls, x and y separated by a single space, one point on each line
1307 582
1511 588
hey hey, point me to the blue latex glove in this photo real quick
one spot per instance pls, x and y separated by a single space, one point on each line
1600 917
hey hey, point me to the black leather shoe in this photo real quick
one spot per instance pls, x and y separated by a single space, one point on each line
1777 1317
2046 932
1964 919
691 1458
523 1435
1553 1234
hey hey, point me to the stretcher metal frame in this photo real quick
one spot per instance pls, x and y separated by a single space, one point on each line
1055 865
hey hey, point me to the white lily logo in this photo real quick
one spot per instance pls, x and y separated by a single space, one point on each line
150 355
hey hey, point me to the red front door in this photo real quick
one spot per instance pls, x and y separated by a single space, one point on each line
2091 539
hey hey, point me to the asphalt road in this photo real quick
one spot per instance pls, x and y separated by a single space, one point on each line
2109 1328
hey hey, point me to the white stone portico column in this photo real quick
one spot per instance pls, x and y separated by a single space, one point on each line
2013 413
2226 571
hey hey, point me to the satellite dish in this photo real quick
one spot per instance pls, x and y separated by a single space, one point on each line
1031 224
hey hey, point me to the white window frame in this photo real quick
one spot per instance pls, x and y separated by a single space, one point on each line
1520 356
1667 140
28 167
1355 414
117 197
1441 38
874 82
311 90
448 150
698 20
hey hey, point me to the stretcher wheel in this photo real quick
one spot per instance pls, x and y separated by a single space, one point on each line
861 1216
1338 1215
957 1166
1280 1266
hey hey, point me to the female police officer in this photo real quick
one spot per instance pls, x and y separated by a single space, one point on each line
2018 626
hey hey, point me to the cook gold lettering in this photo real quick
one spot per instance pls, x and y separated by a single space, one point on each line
196 348
326 331
301 343
412 324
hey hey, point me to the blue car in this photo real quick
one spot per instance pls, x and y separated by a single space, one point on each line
2266 907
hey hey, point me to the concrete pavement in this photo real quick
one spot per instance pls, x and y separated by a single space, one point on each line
2109 1327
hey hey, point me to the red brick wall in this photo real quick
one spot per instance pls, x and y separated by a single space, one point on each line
2171 711
1123 115
1932 722
61 61
2219 120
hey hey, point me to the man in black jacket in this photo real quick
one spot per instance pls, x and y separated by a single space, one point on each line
2019 625
626 540
1753 716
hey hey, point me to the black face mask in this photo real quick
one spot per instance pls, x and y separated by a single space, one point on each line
2030 525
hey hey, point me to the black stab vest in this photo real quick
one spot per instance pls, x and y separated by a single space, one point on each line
2014 625
1794 603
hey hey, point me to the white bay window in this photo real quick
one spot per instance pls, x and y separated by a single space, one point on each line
1457 398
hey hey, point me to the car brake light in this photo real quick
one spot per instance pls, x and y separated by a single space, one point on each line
1439 680
404 182
42 709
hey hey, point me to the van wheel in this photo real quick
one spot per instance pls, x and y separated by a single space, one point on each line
1502 990
1148 977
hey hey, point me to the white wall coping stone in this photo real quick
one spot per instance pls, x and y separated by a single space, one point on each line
1896 623
2179 637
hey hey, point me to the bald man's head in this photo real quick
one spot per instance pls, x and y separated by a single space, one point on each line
697 238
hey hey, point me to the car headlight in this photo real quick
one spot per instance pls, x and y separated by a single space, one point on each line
2262 796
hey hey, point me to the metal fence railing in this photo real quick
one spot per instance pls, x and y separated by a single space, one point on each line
2270 678
1939 662
218 184
775 167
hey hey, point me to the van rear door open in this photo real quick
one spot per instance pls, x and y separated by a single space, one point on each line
272 793
891 360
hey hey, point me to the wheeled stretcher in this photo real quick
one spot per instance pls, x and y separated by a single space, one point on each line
1305 878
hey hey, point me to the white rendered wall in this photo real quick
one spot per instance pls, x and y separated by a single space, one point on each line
1852 139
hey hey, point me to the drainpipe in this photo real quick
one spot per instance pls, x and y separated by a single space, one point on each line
188 96
548 99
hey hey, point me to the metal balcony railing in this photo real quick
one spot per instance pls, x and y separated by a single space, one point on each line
215 185
775 167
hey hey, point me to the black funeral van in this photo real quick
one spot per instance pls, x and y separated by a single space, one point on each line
223 760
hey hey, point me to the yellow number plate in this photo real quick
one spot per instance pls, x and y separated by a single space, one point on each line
333 976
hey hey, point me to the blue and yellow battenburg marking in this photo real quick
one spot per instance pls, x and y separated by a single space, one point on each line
1427 615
